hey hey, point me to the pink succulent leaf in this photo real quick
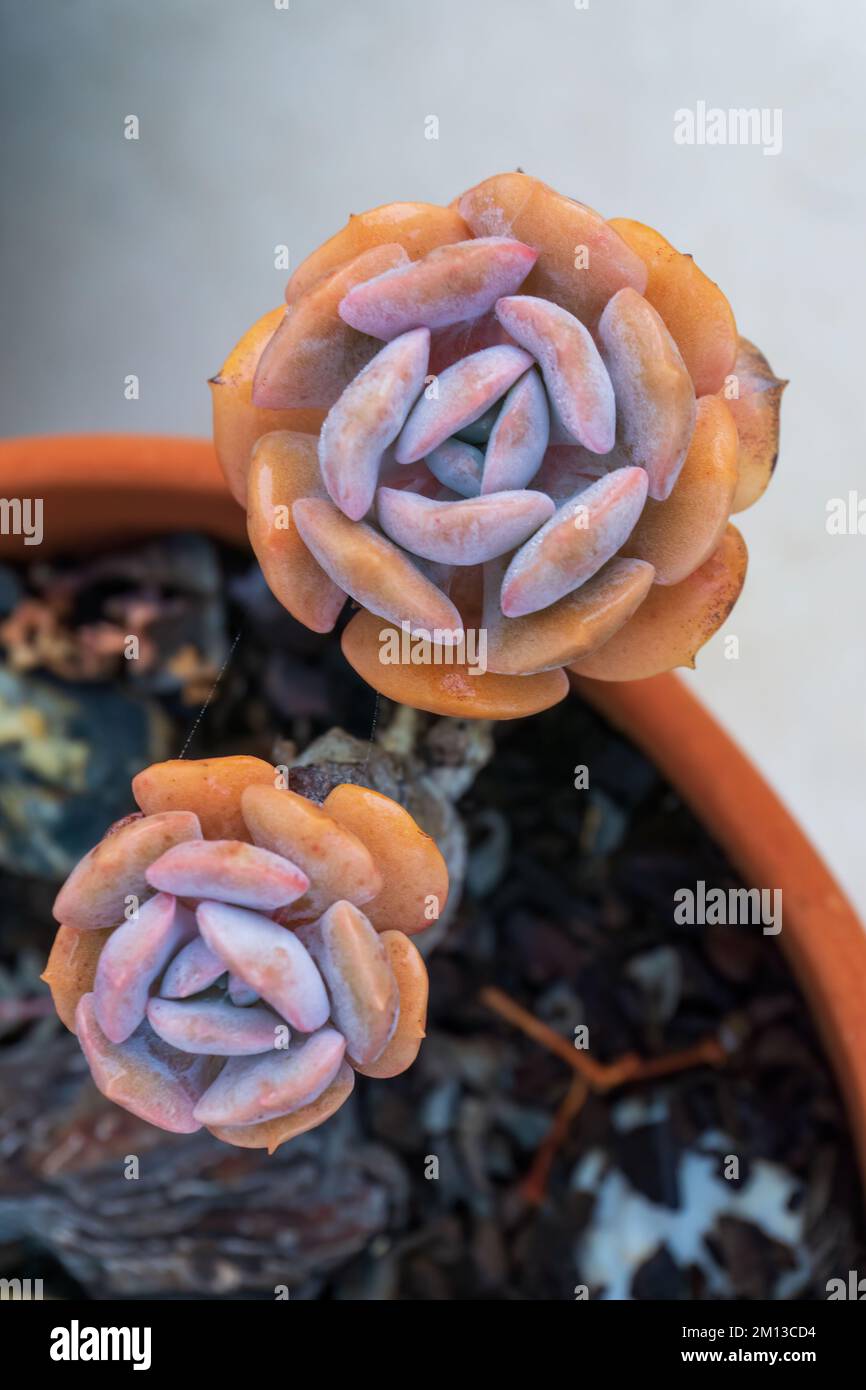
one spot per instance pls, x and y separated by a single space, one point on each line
458 466
365 1000
251 1089
584 533
580 390
215 1027
193 969
459 396
144 1074
230 871
240 993
656 398
375 571
367 418
270 959
96 893
450 345
464 532
133 957
449 285
519 437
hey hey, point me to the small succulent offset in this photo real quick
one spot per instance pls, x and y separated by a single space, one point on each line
232 956
511 415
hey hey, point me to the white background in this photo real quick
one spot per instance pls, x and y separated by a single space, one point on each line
261 126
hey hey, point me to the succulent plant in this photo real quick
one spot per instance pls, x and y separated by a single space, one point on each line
235 953
507 415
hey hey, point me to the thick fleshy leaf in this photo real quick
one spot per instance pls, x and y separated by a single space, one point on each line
336 862
580 390
518 438
372 569
240 993
135 956
211 787
674 621
570 629
696 313
463 532
193 969
579 538
655 398
216 1028
270 959
478 431
98 891
410 973
458 466
450 345
450 285
428 679
367 418
417 227
462 394
270 1134
230 871
71 968
582 260
145 1075
755 409
678 535
314 354
284 467
356 969
414 873
249 1090
569 468
237 423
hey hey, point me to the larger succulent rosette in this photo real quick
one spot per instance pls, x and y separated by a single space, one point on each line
507 415
232 956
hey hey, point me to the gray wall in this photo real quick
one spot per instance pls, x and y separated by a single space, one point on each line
260 126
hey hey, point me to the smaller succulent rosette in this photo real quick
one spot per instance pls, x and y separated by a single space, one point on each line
232 956
509 415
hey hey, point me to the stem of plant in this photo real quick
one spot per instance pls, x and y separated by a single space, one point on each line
591 1076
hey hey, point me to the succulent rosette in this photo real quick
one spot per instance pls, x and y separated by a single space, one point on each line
507 415
234 954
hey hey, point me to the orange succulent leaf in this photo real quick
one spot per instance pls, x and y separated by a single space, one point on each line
694 309
313 354
270 1134
676 536
237 423
417 227
520 206
284 468
756 409
674 621
410 973
210 787
415 876
338 864
97 891
71 968
444 687
570 629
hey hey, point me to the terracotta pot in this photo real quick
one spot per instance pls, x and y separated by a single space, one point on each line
106 489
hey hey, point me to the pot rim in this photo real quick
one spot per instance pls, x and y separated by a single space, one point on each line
822 936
